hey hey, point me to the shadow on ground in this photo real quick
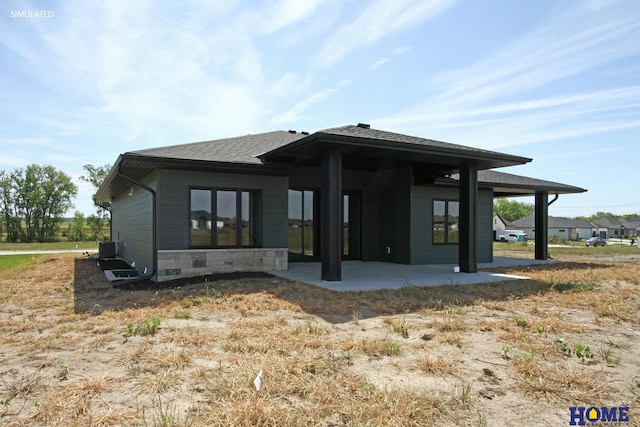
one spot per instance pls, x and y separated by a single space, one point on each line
93 293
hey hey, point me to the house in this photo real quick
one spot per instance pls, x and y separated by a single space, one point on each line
563 228
610 227
499 224
349 192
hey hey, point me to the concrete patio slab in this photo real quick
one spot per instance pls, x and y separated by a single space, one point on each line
368 276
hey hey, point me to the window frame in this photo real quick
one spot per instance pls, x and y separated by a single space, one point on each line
446 222
254 228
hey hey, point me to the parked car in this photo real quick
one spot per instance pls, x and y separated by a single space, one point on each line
514 237
595 241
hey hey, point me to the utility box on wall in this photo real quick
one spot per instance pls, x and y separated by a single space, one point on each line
107 249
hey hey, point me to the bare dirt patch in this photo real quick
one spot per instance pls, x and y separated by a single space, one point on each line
76 351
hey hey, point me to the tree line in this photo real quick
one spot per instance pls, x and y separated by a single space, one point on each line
511 210
34 200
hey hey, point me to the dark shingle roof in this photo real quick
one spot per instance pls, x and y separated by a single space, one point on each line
242 149
608 222
381 135
554 222
507 180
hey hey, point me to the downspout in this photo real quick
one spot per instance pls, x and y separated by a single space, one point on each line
554 199
153 220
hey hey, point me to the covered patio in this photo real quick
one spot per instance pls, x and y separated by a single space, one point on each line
373 275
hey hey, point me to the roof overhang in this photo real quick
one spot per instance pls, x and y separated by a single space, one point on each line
362 153
138 166
509 185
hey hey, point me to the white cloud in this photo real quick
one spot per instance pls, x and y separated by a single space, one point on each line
294 113
396 52
380 19
286 13
490 103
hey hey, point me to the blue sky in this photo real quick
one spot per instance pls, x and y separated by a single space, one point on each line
557 81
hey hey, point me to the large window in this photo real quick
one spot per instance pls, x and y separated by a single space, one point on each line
301 223
232 225
446 222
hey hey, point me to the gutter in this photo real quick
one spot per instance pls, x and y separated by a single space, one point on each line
153 220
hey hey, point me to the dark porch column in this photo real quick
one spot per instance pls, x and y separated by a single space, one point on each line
542 224
331 217
467 257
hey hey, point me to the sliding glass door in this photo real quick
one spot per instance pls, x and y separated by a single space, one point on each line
303 230
304 226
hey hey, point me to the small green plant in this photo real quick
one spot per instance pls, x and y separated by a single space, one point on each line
520 321
181 313
310 329
400 326
145 327
127 331
465 394
506 352
542 330
607 354
637 383
563 346
391 349
583 352
5 402
64 370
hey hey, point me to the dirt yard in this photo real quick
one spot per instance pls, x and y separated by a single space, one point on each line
76 351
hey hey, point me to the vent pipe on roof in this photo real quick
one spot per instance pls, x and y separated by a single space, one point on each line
304 133
364 125
292 131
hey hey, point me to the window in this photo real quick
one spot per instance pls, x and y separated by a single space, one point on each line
302 226
234 219
446 222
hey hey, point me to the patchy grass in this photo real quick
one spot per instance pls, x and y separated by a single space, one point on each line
53 246
446 355
11 261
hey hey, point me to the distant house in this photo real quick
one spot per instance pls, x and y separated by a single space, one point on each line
631 227
499 224
345 193
610 227
563 228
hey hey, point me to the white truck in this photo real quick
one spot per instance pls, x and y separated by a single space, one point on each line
511 236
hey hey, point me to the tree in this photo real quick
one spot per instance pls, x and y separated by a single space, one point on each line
8 207
36 197
95 225
512 210
76 228
96 176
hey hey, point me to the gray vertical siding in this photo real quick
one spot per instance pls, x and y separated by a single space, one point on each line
423 251
394 215
173 203
485 225
132 225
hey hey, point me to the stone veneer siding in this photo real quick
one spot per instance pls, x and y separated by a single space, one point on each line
176 264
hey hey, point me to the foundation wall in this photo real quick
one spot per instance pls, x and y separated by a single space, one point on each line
176 264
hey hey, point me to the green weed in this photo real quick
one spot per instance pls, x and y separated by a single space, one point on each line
563 346
608 355
400 326
520 321
143 328
64 370
310 329
583 352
